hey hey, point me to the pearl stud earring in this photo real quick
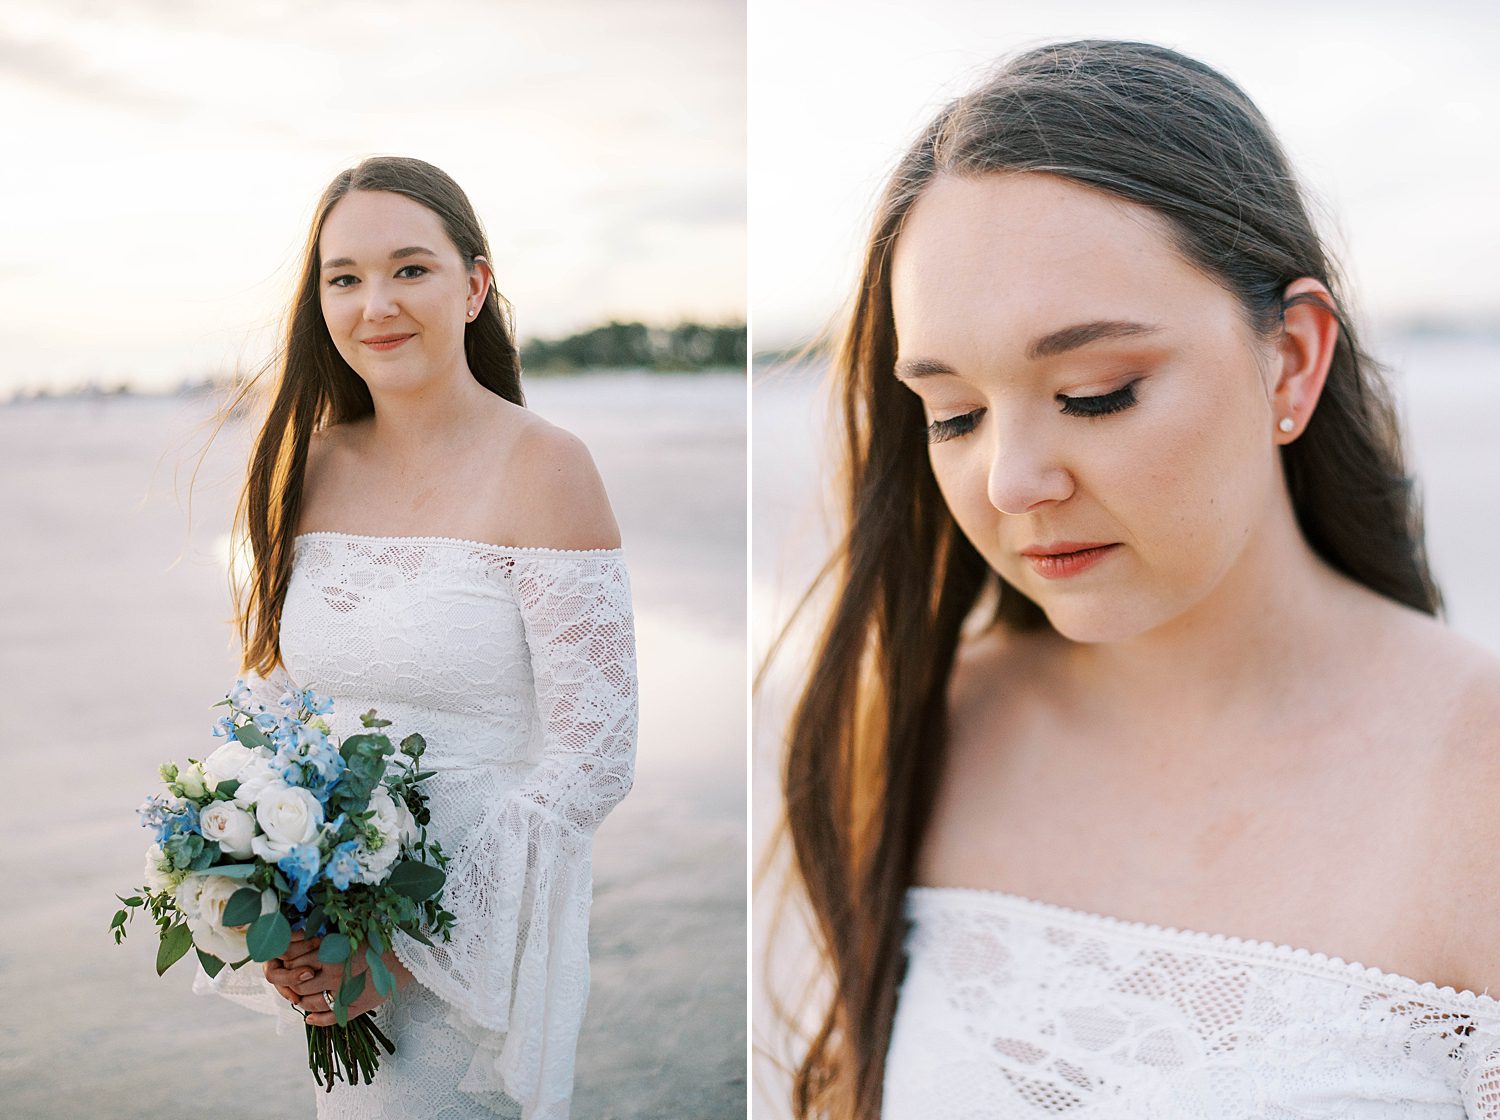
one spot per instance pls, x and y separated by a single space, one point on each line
1286 424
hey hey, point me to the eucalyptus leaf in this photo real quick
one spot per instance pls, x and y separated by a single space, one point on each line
226 789
334 949
376 938
235 871
119 920
251 735
211 964
243 907
175 943
268 936
416 880
385 983
352 988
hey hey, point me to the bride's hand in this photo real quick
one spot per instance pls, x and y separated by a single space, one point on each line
307 994
297 965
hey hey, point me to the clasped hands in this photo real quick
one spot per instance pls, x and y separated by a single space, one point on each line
301 979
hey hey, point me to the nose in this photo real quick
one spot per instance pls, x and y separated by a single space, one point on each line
380 302
1026 474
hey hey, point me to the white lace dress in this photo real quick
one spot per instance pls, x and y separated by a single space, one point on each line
517 665
1013 1008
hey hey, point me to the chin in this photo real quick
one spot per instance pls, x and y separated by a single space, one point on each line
1097 620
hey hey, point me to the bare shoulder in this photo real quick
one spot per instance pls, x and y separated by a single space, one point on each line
327 454
1463 826
554 496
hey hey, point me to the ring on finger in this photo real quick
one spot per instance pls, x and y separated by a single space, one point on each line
328 996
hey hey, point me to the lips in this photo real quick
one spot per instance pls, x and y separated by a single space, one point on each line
1062 548
385 338
1062 559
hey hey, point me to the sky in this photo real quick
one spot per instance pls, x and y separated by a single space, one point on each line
1387 111
163 158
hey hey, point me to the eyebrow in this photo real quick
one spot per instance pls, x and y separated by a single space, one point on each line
409 251
1047 346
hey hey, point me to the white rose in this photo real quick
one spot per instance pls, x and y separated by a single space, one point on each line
259 774
231 826
159 875
288 815
191 781
375 865
189 894
387 820
407 825
207 924
225 764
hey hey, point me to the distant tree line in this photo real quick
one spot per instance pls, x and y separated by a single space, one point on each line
687 346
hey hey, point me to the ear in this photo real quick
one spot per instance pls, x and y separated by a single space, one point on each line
1305 350
480 278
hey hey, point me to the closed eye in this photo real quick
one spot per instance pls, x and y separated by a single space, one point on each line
420 270
953 426
1118 401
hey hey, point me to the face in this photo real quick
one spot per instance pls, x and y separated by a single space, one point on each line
1099 411
388 269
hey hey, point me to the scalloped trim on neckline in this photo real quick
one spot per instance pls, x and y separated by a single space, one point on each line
464 542
1244 947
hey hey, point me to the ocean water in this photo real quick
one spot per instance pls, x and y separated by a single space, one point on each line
114 641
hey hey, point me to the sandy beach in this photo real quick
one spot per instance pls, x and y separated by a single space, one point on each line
115 640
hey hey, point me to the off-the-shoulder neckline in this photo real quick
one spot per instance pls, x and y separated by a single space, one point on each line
464 542
1285 955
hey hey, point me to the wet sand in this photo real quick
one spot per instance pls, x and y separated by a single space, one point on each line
114 641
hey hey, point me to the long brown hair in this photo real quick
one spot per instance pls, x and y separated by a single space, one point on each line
866 737
315 388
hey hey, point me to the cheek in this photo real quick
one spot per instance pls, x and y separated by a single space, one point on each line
962 474
1200 477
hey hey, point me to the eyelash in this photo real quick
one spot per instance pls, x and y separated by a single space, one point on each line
1104 405
334 283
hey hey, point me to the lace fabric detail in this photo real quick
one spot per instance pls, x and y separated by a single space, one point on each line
1017 1008
518 668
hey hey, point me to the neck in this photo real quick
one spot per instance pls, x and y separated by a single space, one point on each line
1250 656
409 423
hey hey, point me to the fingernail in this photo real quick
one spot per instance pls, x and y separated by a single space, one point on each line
305 976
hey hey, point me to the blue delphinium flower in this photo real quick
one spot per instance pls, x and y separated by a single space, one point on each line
342 868
310 760
317 705
300 866
224 728
168 817
241 696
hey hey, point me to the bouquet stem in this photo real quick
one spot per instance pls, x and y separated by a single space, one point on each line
346 1053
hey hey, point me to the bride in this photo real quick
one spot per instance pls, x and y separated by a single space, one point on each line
425 545
1132 710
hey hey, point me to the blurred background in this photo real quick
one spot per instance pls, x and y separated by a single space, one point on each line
1385 110
164 162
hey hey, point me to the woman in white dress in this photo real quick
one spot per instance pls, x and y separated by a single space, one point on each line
1132 728
424 545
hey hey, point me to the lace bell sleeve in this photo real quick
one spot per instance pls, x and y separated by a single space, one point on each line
1481 1070
516 974
247 985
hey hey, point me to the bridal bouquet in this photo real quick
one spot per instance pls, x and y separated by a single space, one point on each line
281 828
